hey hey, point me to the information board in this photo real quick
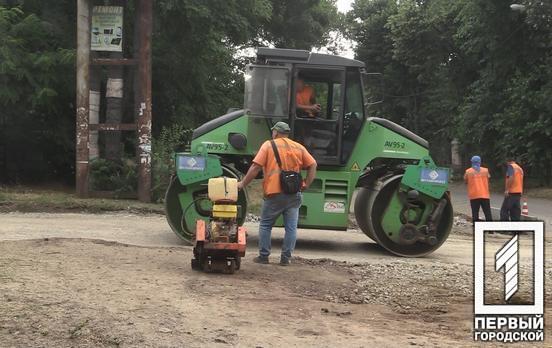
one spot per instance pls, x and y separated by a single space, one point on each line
107 29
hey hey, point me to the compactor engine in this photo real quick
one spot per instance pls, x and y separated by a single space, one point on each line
220 242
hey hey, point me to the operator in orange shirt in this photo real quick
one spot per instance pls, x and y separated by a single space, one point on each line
294 157
477 179
511 206
305 100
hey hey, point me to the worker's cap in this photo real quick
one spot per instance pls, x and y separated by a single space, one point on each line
476 159
281 127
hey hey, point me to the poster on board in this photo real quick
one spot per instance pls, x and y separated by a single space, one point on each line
107 29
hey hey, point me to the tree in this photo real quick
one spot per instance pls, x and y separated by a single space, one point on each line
35 96
411 44
504 113
300 24
471 69
197 68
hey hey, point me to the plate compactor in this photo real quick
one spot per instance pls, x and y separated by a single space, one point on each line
220 242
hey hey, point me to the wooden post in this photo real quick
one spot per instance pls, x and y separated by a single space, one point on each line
144 105
83 90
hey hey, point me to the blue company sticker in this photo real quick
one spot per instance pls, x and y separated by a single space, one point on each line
434 176
191 162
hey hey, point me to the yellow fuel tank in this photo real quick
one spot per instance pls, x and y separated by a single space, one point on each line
223 189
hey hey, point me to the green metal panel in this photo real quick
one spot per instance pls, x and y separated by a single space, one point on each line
391 222
256 129
188 202
326 203
196 168
376 141
427 178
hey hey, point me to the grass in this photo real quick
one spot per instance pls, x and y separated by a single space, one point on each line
59 200
44 200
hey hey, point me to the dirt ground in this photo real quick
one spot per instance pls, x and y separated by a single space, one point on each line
60 291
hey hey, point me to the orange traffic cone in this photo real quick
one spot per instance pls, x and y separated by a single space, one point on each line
525 208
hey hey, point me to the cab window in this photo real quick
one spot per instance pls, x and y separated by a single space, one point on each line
354 114
318 95
267 91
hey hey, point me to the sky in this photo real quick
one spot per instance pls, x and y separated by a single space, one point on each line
344 5
348 52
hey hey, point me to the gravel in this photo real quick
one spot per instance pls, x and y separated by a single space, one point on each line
406 286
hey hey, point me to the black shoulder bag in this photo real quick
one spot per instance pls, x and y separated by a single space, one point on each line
289 180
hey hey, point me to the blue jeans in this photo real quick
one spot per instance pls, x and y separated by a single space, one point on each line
287 205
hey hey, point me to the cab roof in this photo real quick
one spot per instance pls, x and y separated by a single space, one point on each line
284 55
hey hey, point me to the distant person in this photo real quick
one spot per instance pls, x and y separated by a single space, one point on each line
277 155
305 100
477 180
511 206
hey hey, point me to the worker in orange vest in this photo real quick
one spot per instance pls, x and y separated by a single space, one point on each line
511 206
477 179
305 100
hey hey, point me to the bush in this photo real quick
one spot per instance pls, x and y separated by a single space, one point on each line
119 177
122 177
171 139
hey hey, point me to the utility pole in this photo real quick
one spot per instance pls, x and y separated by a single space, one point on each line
83 90
144 105
107 38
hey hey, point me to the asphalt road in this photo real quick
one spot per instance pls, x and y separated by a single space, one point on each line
539 208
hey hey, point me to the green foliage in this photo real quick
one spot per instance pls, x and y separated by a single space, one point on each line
470 69
37 90
28 67
197 63
170 140
193 57
120 177
300 24
197 66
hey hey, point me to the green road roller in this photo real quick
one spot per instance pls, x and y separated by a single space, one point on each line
400 195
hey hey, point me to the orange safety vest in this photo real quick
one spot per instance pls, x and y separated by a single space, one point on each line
305 96
478 183
517 184
293 155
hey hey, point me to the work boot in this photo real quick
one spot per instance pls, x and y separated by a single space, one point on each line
261 259
284 261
